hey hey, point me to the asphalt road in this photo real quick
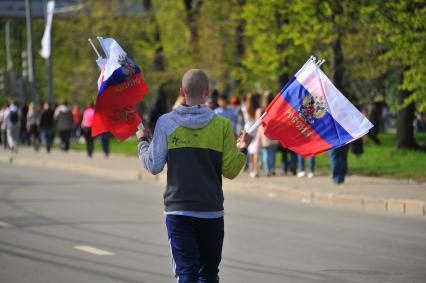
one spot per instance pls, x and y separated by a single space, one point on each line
65 227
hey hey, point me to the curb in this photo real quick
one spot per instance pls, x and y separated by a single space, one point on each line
340 201
343 201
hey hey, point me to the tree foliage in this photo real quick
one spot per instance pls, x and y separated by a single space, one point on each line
243 45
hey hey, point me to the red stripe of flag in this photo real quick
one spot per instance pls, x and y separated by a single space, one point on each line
282 122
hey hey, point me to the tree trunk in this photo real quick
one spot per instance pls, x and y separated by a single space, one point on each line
283 75
160 101
404 124
337 65
192 8
239 35
158 55
239 46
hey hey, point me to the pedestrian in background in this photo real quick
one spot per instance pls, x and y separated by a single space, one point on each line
268 147
47 126
3 137
252 104
240 110
86 127
12 117
24 137
302 171
211 103
339 163
64 124
105 143
194 198
226 111
33 121
76 117
288 160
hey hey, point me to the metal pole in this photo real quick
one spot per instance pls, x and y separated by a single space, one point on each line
50 96
31 78
9 83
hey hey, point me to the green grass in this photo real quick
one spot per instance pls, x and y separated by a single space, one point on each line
385 160
382 160
128 147
378 160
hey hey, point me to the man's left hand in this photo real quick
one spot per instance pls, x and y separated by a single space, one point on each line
144 133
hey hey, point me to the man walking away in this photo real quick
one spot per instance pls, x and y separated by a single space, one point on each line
198 147
64 124
47 125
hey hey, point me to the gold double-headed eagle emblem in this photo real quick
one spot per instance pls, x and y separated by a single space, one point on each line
125 113
312 108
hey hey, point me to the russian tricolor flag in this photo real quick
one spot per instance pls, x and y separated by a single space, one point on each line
310 115
121 86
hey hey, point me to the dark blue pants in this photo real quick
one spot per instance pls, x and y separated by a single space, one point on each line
105 143
196 247
286 164
339 163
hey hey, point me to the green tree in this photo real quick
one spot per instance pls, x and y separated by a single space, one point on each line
403 34
280 37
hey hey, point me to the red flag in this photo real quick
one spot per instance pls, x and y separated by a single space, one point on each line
121 86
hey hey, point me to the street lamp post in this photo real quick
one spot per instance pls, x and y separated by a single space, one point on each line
31 78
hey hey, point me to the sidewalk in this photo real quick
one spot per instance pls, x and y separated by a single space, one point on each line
358 193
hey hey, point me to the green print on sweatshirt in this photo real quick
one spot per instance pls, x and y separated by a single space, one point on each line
216 135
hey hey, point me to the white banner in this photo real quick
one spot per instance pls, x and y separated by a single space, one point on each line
45 41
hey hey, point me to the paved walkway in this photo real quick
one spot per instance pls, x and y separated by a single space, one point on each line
360 193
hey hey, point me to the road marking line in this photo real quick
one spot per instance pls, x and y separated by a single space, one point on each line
4 224
93 250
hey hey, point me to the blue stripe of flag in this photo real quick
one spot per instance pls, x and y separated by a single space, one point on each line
117 77
326 127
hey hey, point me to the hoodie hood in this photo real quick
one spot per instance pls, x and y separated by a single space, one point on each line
193 117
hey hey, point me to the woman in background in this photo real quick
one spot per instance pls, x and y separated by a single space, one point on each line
252 104
33 121
268 147
86 128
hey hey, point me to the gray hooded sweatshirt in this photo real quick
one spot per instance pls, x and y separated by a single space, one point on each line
198 147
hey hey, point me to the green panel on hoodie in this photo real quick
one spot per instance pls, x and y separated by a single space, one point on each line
212 136
209 137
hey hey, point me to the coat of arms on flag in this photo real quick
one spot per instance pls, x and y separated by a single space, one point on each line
312 108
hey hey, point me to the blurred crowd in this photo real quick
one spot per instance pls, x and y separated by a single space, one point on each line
37 125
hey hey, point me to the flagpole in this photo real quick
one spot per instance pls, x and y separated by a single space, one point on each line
141 127
308 62
320 62
256 125
94 48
